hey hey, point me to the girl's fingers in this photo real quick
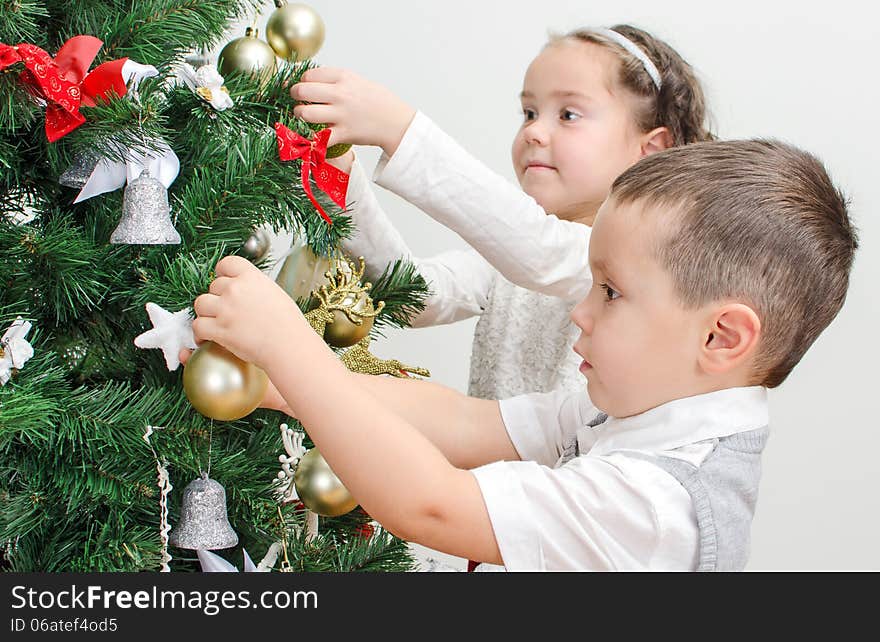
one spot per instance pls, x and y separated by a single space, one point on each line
323 74
314 92
317 113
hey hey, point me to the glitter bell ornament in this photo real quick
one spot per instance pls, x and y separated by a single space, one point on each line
80 170
145 214
203 522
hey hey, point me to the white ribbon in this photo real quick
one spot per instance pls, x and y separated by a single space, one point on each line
16 350
165 487
110 175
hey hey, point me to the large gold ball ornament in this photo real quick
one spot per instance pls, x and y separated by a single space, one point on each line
257 245
319 488
343 332
220 385
302 271
247 54
295 31
335 151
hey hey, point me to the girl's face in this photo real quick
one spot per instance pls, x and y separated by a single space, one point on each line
578 133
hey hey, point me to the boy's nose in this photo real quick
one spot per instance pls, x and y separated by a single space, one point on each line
581 317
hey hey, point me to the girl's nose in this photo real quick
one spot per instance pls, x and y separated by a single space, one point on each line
537 133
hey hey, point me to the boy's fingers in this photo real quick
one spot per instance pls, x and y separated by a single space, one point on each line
207 305
184 355
323 74
232 266
218 286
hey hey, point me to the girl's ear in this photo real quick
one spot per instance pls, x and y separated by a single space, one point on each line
656 140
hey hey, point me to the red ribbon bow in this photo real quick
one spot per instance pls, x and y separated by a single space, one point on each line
65 82
330 180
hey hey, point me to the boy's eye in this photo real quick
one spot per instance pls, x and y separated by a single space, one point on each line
567 114
610 293
529 114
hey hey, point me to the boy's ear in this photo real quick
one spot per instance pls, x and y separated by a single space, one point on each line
656 140
731 338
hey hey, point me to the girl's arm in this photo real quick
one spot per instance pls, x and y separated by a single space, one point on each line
459 280
506 226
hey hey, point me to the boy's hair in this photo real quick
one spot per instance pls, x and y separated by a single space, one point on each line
756 220
679 104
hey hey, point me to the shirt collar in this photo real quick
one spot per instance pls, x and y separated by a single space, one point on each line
686 421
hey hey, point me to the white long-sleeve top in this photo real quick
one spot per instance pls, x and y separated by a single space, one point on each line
524 273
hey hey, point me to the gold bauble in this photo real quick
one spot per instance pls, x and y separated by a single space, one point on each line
258 245
302 271
295 31
319 488
343 332
247 54
220 385
335 151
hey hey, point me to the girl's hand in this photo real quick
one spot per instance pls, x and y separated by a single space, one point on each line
272 400
359 111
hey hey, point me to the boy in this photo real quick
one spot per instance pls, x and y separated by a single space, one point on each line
715 266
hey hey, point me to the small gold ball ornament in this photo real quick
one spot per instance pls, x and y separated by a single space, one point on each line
247 54
220 385
295 31
335 151
302 271
319 488
343 332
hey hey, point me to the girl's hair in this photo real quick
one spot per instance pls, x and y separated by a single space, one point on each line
679 104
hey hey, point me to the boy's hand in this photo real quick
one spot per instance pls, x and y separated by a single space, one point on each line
247 313
272 400
359 111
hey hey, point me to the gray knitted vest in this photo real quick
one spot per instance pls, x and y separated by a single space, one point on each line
724 490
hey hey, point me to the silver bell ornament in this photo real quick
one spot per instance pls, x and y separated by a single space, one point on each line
77 175
145 214
203 522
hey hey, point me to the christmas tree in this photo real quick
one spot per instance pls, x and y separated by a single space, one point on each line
98 437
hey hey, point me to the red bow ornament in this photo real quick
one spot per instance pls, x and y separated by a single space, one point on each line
332 181
65 82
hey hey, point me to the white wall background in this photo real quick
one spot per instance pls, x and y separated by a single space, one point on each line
800 71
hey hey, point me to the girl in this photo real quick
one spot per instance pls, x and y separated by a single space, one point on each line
594 102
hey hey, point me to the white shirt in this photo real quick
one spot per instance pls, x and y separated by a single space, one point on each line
524 274
604 509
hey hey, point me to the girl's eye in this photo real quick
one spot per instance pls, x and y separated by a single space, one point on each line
567 114
529 114
610 293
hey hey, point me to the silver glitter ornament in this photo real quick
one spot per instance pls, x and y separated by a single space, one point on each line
77 175
145 214
203 522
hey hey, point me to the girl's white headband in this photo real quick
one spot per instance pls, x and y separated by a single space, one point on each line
635 50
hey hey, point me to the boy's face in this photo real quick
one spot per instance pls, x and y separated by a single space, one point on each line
639 344
577 136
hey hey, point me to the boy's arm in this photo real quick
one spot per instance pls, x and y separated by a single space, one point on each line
395 472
